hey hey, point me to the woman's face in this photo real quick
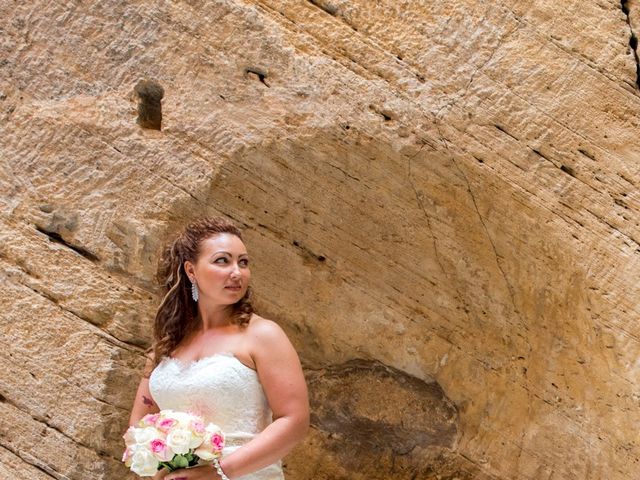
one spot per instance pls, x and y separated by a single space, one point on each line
222 269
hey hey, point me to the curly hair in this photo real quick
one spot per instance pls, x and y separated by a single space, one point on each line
177 315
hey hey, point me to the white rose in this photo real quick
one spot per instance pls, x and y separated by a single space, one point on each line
143 463
205 454
212 429
143 436
129 436
196 441
179 440
181 417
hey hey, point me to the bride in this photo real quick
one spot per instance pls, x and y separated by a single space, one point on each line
213 356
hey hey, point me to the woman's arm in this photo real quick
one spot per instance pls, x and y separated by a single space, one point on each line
282 380
143 403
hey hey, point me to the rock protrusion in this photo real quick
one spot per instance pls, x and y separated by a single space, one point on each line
369 413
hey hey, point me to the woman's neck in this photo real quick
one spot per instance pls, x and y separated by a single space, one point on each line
212 317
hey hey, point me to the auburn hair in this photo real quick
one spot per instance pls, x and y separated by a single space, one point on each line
177 316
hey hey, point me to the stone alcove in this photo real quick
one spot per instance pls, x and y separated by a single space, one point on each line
445 191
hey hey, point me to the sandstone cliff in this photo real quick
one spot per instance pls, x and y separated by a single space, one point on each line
440 197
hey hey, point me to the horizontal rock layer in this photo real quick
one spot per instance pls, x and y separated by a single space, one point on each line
440 199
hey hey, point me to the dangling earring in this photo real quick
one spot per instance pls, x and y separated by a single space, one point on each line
194 291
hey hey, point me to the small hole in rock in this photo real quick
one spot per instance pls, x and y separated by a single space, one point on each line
258 73
567 170
150 95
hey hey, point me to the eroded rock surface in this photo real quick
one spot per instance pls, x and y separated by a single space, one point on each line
444 193
377 421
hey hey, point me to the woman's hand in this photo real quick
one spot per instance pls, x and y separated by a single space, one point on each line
201 472
161 474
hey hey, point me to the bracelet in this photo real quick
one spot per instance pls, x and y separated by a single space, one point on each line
216 464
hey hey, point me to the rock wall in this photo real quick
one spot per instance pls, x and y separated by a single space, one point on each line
440 199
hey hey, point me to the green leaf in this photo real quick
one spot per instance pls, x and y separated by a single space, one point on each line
180 461
166 465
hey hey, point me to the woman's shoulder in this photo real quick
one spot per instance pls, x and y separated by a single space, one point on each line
270 348
265 332
262 326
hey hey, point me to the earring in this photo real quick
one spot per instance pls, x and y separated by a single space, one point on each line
194 291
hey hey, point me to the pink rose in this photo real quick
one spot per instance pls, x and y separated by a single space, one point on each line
165 424
157 445
161 450
217 441
151 419
197 426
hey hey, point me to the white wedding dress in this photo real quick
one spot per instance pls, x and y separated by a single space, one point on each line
222 390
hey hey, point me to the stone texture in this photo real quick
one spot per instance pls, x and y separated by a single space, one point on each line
374 421
443 192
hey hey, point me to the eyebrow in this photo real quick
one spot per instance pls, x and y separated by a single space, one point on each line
222 251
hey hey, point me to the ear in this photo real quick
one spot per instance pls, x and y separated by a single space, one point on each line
189 268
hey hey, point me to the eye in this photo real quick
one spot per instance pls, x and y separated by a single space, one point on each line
220 258
244 261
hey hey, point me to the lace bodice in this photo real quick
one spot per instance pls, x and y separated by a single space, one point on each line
222 390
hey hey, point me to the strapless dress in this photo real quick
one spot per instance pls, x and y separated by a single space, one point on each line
222 390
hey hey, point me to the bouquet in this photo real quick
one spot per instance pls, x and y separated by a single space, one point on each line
170 439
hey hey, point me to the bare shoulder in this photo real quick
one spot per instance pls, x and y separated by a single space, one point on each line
265 330
272 352
266 337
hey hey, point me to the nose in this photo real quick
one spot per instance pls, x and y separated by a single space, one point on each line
236 270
